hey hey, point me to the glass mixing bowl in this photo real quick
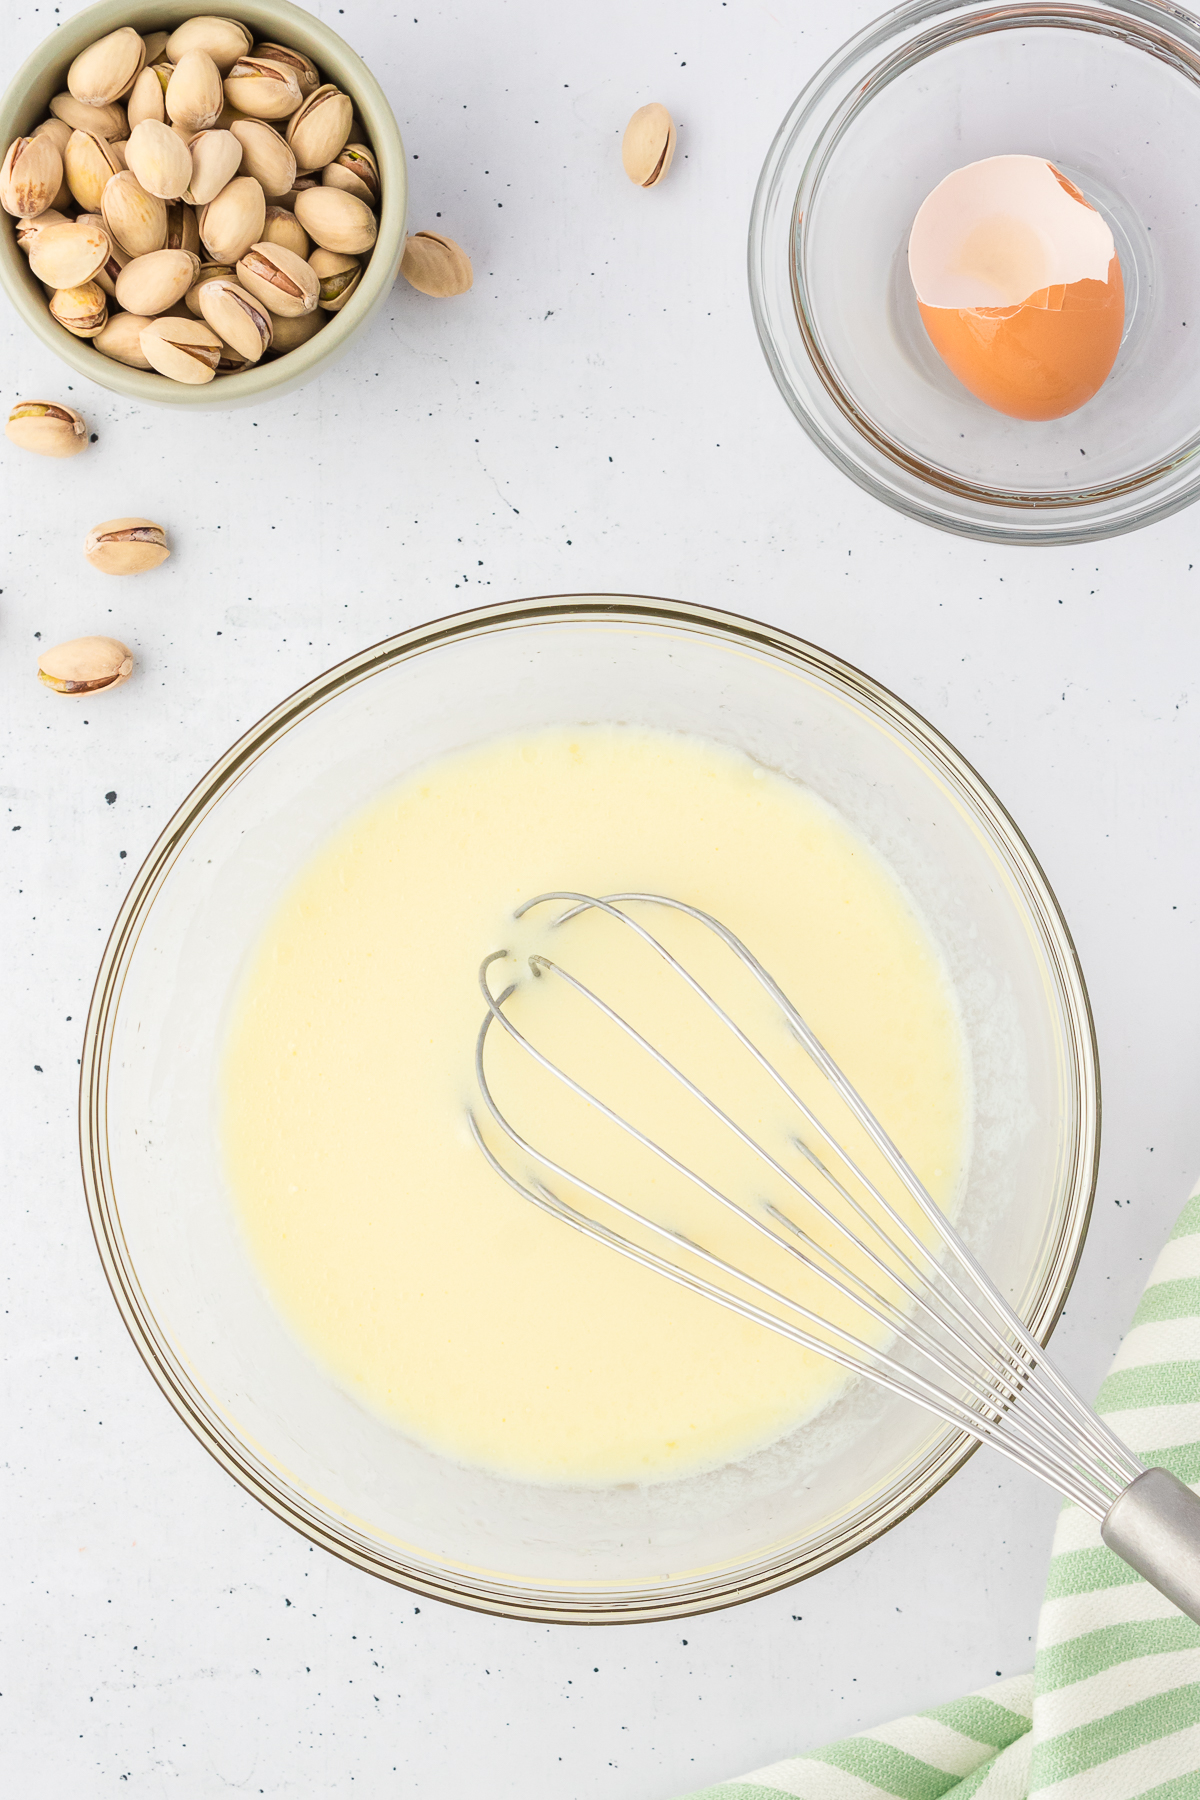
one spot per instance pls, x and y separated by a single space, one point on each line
165 1225
1110 93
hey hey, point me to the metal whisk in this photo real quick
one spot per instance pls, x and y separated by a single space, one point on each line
955 1345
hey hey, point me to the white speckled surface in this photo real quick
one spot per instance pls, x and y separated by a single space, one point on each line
595 415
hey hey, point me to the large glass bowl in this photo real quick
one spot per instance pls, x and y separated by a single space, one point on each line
165 1225
1108 90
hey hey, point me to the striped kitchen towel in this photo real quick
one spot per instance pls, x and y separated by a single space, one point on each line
1112 1709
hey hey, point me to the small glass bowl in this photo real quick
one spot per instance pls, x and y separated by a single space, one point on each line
1110 93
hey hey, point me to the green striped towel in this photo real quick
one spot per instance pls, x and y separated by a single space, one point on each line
1112 1708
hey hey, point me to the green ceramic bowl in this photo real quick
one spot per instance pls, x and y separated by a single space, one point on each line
27 101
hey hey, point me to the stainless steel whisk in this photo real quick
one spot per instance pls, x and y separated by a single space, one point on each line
968 1358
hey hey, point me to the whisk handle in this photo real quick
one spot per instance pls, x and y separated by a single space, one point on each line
1155 1527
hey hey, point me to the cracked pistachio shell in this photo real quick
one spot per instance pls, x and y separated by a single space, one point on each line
237 317
31 176
194 96
356 170
283 228
209 271
303 67
150 284
86 665
28 229
234 220
336 220
183 232
216 159
436 265
291 333
648 145
120 339
338 275
321 127
266 156
222 39
82 309
146 100
107 69
47 428
160 159
88 164
64 256
182 349
136 220
279 278
263 89
105 121
126 546
113 263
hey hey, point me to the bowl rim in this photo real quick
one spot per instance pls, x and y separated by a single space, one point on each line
264 380
824 408
944 1454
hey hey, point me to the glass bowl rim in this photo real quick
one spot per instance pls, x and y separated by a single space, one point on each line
945 1454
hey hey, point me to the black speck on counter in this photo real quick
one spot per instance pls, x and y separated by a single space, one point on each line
111 795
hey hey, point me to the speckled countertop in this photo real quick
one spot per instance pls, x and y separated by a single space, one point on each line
594 415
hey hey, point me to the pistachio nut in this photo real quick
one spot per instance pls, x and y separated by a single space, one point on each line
209 271
150 284
57 130
230 363
28 229
301 186
283 227
64 256
266 156
182 349
648 145
338 276
279 278
31 176
86 665
303 67
234 220
119 147
336 220
291 333
146 100
262 89
156 44
222 39
356 170
163 70
136 220
436 265
183 233
120 339
105 121
108 68
88 164
321 127
82 309
126 546
113 263
194 96
216 159
47 428
160 159
237 317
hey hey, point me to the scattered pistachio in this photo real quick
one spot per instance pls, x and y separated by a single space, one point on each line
234 220
86 665
82 310
237 317
648 144
436 265
194 96
47 428
224 40
107 69
182 349
266 156
121 339
135 219
336 220
161 161
126 546
283 281
31 176
262 89
338 275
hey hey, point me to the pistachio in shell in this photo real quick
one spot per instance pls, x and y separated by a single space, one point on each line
321 127
266 156
338 275
105 121
156 44
185 350
66 256
136 220
194 96
57 130
303 67
283 281
222 39
283 227
31 176
436 265
126 546
82 310
233 221
152 283
237 317
113 263
291 333
107 69
160 159
28 229
262 89
183 233
209 271
88 164
356 170
86 665
648 145
118 147
47 428
120 339
336 220
146 100
216 159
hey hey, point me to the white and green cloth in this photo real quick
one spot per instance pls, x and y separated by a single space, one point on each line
1112 1708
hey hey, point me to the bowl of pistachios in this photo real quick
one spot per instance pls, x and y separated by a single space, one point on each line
198 210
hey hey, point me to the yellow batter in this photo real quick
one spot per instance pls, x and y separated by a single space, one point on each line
437 1295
